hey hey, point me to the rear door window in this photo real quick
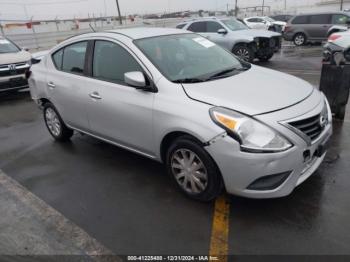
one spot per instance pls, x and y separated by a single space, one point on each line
320 19
302 19
198 27
74 58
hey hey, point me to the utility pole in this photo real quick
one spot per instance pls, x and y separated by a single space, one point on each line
227 12
285 5
341 5
236 8
262 8
120 17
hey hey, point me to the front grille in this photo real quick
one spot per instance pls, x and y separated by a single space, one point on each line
13 83
312 127
273 42
20 68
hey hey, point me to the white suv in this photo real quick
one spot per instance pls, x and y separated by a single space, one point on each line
14 63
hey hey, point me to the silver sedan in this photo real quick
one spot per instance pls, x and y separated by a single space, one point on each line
216 122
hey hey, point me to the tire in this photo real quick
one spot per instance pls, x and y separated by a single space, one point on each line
299 39
206 183
265 58
244 52
54 123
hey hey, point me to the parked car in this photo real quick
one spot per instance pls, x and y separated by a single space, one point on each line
337 48
215 121
315 27
265 23
246 43
283 18
14 62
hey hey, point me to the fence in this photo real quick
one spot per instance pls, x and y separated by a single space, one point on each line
43 36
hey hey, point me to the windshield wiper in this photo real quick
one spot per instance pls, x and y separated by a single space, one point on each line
225 72
188 80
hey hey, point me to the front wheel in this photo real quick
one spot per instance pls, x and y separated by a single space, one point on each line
54 123
244 52
193 170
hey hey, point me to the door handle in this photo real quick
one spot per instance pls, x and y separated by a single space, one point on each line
95 95
51 85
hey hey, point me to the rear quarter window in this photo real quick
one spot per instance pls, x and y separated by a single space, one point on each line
180 26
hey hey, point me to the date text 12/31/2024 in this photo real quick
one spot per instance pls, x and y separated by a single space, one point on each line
172 258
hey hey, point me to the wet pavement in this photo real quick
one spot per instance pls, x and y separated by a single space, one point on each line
130 205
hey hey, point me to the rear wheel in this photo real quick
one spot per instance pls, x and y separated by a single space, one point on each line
299 39
244 52
54 123
193 170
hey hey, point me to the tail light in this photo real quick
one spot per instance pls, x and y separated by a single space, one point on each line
333 37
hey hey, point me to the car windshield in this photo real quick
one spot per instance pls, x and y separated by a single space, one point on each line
234 25
7 47
189 58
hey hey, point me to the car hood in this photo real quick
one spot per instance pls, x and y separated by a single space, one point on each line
255 91
11 58
254 33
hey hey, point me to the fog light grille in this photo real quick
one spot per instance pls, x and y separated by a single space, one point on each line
269 182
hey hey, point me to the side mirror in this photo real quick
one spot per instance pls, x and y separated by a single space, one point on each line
135 79
25 49
222 31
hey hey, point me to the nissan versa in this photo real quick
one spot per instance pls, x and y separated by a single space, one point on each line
173 96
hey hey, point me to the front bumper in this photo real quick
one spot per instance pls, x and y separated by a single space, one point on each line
13 83
240 169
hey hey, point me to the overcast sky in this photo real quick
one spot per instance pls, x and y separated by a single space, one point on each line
42 9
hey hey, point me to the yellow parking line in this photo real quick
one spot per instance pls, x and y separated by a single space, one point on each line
220 229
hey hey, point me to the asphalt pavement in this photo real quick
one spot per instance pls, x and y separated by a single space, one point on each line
129 205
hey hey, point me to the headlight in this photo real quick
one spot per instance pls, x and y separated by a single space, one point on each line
251 134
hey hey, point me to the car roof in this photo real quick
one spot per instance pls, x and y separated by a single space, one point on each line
146 32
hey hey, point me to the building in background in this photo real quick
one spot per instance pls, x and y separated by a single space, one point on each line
254 7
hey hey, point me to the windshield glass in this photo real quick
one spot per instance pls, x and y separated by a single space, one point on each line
7 47
234 24
187 57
